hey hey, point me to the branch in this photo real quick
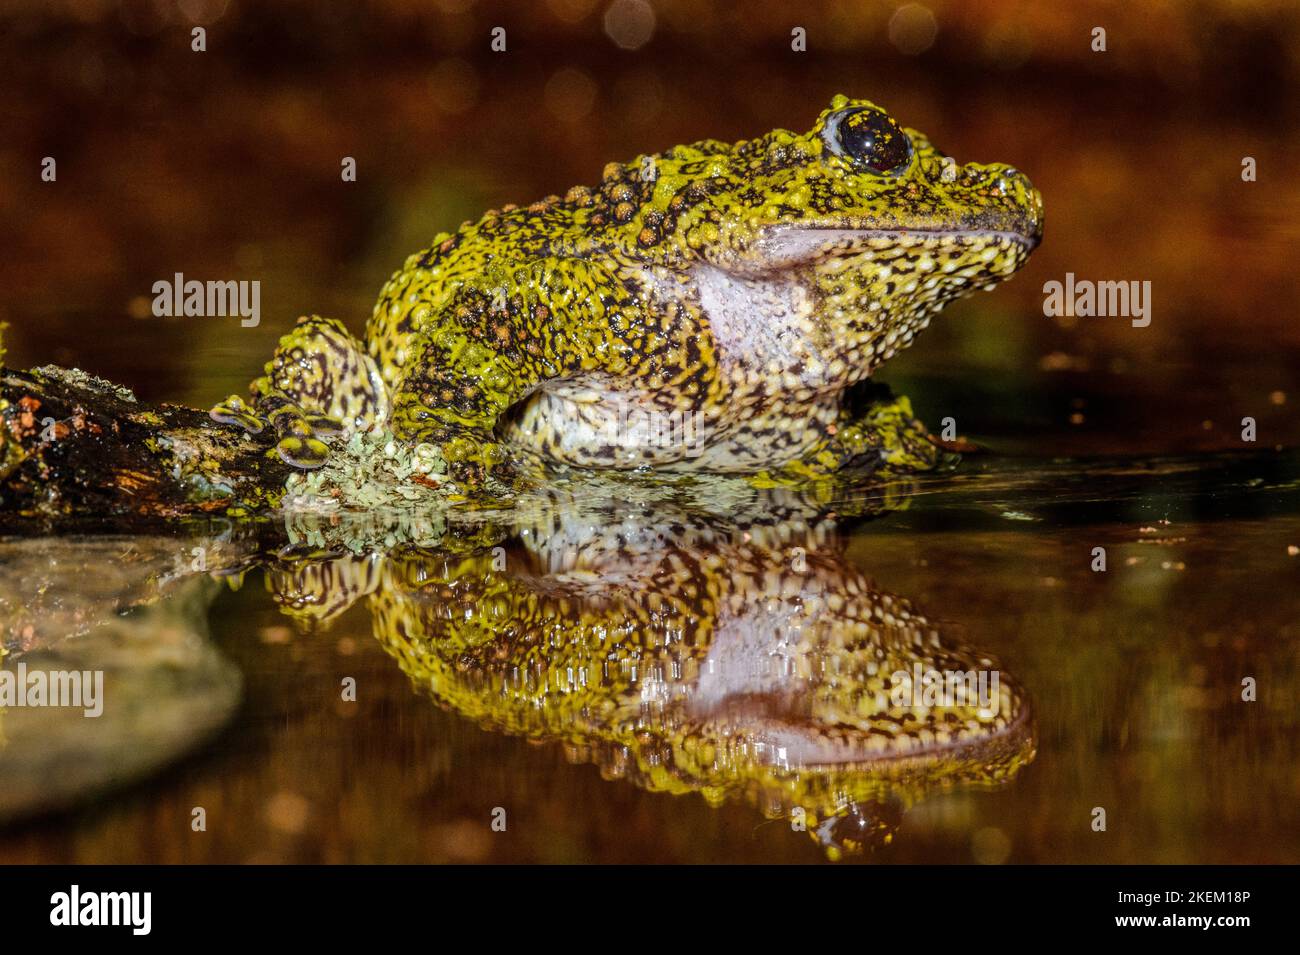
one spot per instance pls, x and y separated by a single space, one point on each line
77 448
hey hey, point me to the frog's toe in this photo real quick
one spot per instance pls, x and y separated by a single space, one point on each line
235 411
303 451
860 463
323 426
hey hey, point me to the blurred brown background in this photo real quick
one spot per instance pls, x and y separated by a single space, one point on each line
225 164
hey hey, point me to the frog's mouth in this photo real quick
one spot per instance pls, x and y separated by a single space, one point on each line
807 744
789 246
767 733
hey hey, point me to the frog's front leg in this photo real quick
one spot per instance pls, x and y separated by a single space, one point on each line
319 383
878 433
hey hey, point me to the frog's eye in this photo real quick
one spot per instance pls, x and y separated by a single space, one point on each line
869 138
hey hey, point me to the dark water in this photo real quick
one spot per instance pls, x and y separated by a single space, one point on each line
1123 688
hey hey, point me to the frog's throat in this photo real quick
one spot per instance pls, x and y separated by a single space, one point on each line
809 745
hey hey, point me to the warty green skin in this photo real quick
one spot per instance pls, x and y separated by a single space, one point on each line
703 308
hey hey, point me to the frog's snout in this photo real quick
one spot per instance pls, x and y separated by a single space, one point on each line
1014 183
1005 193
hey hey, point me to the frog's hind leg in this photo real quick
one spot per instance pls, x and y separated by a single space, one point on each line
320 383
452 396
495 344
453 401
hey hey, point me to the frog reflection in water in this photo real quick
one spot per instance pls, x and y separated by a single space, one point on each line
706 308
689 655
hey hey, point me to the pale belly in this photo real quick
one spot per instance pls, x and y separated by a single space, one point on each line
595 424
779 390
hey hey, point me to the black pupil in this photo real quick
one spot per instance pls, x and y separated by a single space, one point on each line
874 140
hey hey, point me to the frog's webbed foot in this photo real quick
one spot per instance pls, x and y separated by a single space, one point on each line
881 436
319 384
236 411
301 445
302 436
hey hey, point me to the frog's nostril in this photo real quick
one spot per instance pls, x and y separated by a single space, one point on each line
1010 180
1002 178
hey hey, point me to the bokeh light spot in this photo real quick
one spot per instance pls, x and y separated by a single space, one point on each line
912 29
630 23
